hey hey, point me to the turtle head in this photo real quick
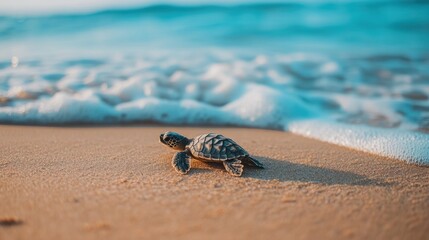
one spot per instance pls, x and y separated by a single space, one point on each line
174 140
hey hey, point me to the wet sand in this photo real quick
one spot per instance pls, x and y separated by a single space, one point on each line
118 183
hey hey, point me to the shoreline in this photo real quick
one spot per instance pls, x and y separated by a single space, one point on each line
402 155
86 182
301 133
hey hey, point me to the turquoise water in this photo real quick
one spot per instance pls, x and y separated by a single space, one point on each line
367 27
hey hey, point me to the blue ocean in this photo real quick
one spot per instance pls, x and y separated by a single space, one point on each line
353 73
358 27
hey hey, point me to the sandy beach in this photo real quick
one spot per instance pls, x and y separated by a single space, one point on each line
118 183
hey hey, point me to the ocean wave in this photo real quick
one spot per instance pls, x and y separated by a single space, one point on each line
401 27
91 6
374 104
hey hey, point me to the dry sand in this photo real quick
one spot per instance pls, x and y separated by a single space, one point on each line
118 183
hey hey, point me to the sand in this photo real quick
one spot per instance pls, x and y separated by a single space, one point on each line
118 183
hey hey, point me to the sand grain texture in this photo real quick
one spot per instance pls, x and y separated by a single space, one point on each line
118 183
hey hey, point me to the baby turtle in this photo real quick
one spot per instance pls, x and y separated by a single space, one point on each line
208 148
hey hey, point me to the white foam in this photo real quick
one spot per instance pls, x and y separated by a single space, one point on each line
173 112
260 106
306 95
61 108
408 146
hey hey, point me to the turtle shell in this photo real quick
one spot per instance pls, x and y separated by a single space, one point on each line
215 147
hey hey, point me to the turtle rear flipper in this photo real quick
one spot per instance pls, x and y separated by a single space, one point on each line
182 162
234 167
248 160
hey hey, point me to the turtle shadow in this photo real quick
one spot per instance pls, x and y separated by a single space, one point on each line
286 171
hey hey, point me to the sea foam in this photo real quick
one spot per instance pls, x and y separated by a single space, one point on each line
404 145
339 101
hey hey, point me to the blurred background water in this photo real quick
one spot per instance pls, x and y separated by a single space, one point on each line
358 62
361 27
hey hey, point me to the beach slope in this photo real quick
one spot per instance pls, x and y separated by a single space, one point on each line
118 183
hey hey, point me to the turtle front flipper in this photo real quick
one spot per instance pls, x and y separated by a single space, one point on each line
248 160
233 167
182 162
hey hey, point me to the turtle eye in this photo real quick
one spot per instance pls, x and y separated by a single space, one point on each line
167 139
